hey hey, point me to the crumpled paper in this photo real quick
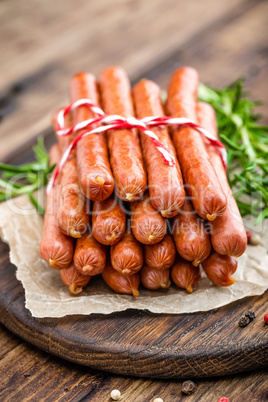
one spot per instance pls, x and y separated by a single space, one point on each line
46 296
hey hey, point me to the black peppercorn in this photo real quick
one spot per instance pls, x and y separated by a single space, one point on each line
244 321
250 315
188 387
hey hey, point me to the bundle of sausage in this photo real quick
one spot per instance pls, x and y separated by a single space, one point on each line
119 210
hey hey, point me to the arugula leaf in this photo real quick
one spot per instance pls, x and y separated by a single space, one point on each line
246 143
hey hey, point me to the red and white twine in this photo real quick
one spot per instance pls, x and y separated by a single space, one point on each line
112 122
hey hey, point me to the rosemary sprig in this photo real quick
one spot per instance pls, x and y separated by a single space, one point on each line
27 178
247 146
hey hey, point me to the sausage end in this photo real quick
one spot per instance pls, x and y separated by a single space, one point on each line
189 289
211 217
135 292
129 196
74 233
52 263
75 290
165 285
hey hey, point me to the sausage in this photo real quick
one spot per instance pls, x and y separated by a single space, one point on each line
93 167
127 255
219 269
108 221
55 248
124 284
161 255
124 146
185 275
89 255
228 233
72 215
74 280
202 183
190 235
165 182
148 226
154 279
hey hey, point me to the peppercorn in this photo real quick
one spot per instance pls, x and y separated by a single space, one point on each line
223 399
115 394
188 387
250 315
243 322
266 318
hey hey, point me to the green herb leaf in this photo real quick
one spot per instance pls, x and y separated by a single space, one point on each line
27 178
246 143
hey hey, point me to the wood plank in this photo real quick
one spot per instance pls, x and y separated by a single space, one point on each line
39 60
140 343
70 382
29 374
225 53
246 387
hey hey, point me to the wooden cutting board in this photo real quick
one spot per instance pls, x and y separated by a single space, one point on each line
140 343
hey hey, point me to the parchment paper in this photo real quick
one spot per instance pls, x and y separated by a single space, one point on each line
46 296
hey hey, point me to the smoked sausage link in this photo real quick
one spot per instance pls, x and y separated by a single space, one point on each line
72 215
161 255
185 275
228 233
127 255
124 284
190 236
89 255
154 279
94 172
148 226
108 222
202 183
165 182
124 146
74 280
55 248
219 269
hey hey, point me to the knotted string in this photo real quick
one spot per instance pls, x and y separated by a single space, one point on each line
112 122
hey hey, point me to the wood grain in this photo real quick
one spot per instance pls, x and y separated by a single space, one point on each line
234 48
140 343
39 376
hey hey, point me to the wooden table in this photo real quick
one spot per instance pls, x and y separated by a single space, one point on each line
42 44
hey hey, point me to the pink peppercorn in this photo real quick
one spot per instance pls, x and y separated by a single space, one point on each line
266 318
223 399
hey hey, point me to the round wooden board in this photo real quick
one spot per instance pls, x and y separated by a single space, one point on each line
140 343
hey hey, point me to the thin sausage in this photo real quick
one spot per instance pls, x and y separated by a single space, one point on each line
89 255
72 215
154 279
165 182
124 284
228 233
127 255
124 146
74 280
55 248
148 226
219 269
185 275
161 255
108 221
93 167
202 183
190 235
